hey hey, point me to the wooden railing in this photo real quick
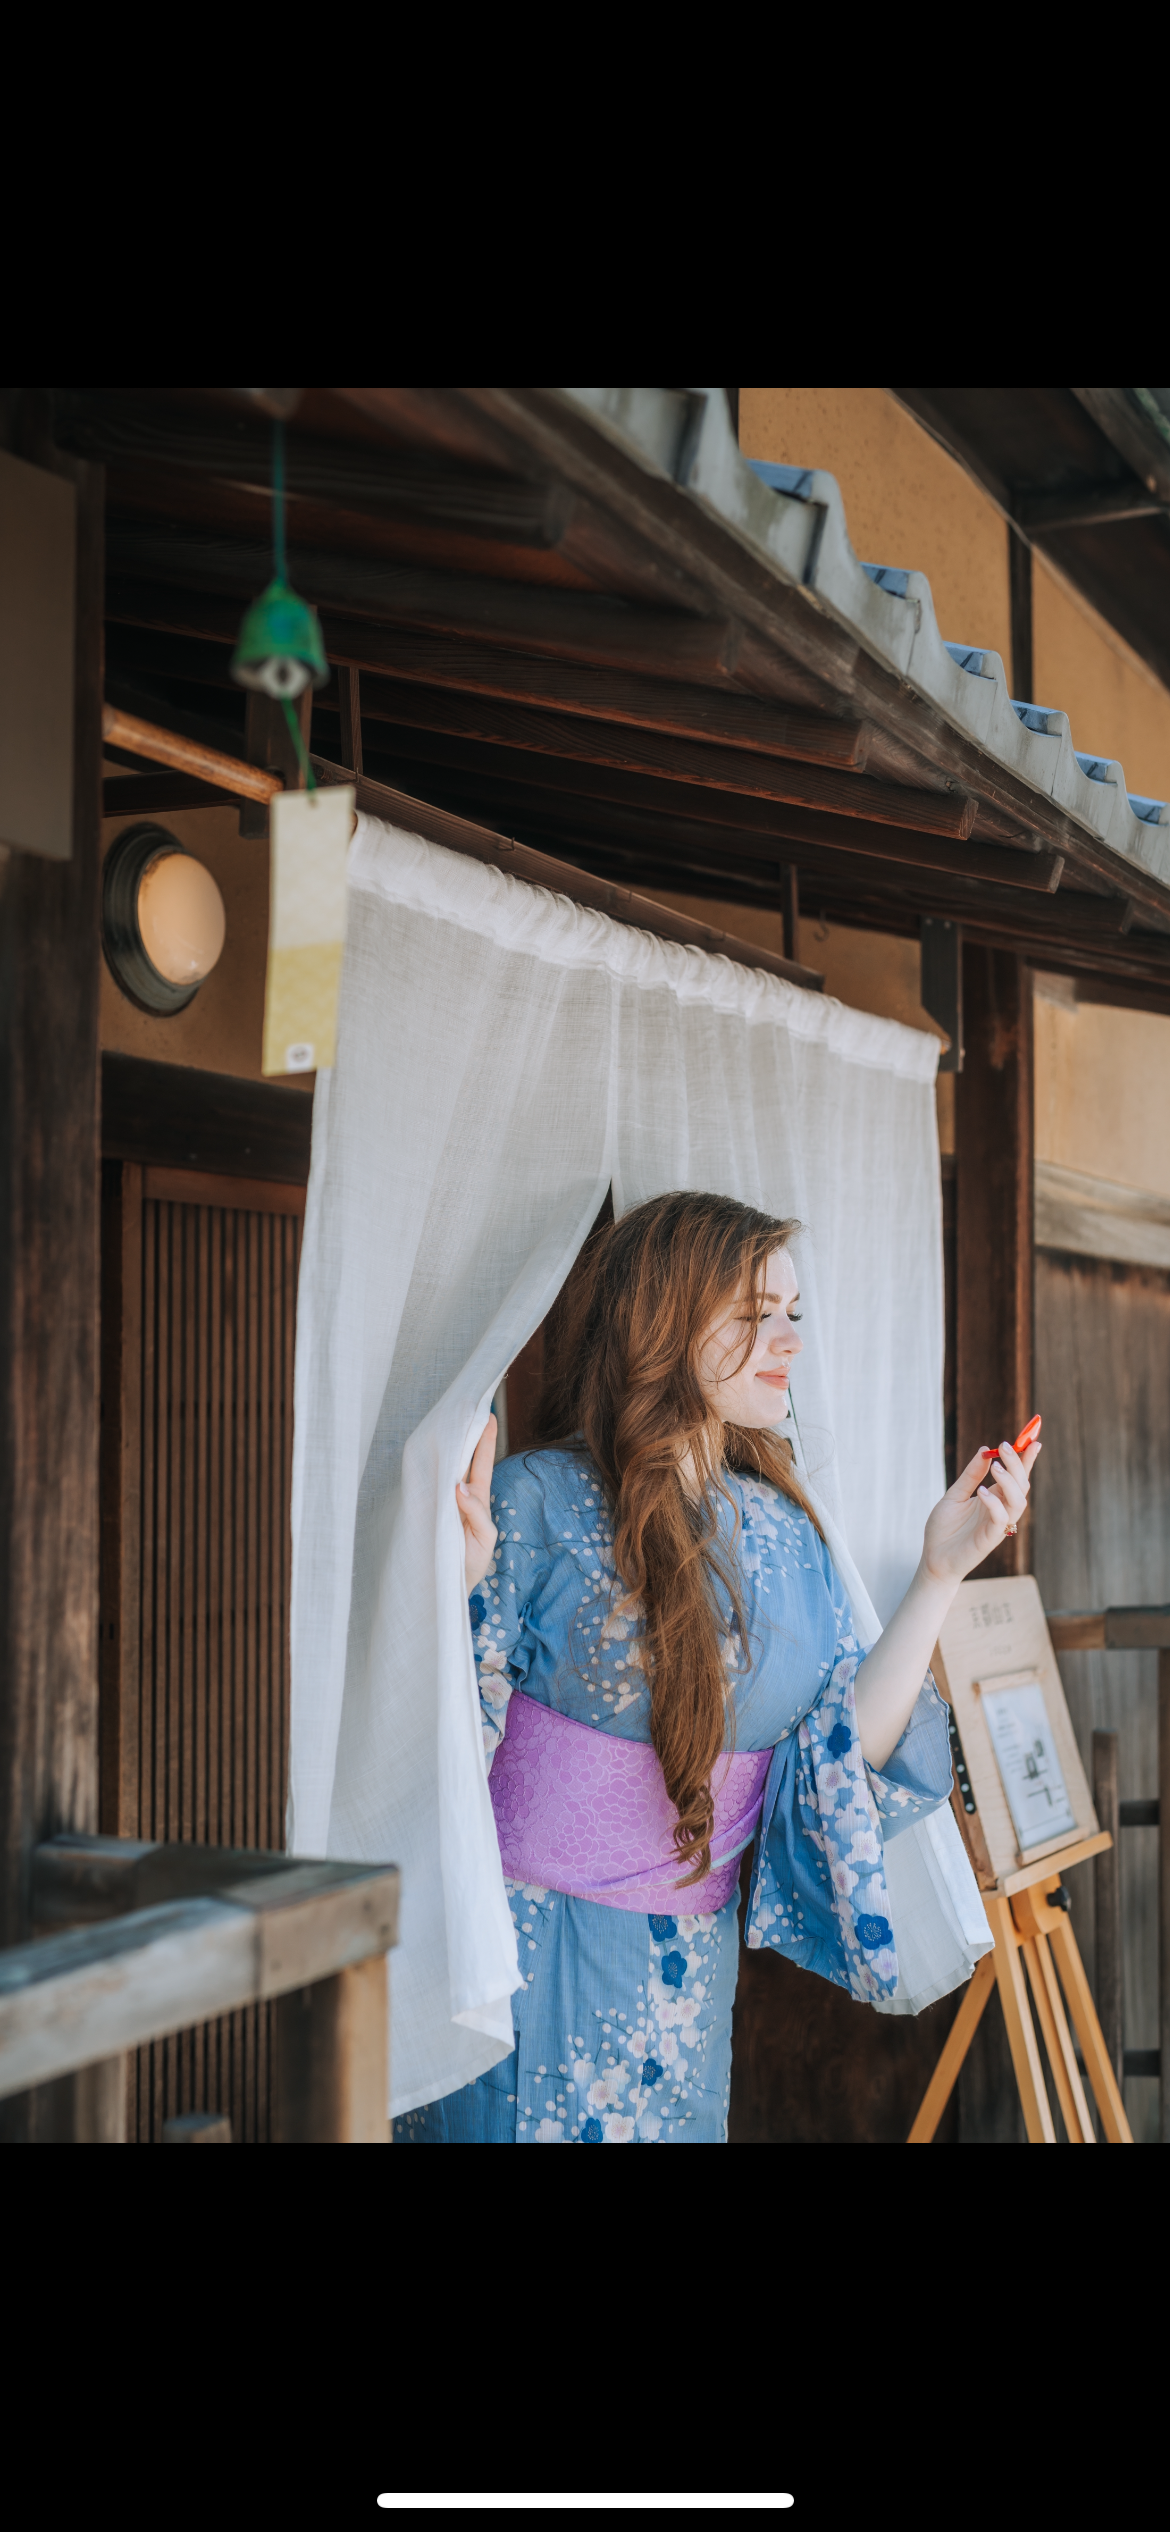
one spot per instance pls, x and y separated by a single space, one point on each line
135 1941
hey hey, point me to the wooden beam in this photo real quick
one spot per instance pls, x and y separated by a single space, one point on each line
343 475
534 785
176 1117
148 794
1133 436
1122 993
994 1206
601 689
897 907
185 584
1088 959
418 817
953 886
651 852
939 422
681 710
1096 505
1078 928
1138 1630
698 764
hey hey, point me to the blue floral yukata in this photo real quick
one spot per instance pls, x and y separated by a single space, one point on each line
623 2021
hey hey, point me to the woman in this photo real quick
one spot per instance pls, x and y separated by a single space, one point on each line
668 1669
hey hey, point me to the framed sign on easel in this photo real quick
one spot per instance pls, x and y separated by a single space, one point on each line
1023 1804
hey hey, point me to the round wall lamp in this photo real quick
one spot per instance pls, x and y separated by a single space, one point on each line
163 921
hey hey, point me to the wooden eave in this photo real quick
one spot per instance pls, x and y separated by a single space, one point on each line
581 633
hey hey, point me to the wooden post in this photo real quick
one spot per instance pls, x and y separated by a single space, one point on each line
790 888
49 965
993 1216
1107 1877
1164 1888
331 2082
88 2108
941 988
349 698
1020 605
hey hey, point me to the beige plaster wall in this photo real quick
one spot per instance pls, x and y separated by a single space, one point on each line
1115 704
906 501
221 1030
1102 1089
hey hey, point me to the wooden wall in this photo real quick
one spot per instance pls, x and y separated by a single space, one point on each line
199 1317
49 1293
1101 1536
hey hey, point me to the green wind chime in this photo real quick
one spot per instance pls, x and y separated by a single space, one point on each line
280 650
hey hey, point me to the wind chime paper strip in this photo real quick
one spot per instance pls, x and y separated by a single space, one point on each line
306 928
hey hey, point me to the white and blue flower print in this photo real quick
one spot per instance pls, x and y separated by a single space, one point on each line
623 2022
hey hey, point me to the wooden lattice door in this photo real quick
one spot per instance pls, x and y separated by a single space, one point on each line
199 1300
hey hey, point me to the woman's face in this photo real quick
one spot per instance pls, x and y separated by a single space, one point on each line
752 1389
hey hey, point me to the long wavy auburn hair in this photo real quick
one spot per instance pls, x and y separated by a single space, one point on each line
622 1372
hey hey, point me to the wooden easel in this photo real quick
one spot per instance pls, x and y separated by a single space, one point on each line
995 1631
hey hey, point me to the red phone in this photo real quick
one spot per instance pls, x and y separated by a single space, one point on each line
1029 1433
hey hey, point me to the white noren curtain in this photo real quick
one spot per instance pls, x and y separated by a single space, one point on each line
503 1057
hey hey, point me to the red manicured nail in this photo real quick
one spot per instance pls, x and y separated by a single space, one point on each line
987 1452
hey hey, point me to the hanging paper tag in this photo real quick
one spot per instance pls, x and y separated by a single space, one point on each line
306 927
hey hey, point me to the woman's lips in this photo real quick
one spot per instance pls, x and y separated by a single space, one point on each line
775 1380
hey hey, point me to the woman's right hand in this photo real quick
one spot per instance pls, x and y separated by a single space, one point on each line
988 1498
473 1495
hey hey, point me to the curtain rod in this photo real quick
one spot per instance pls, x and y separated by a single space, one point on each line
187 756
604 896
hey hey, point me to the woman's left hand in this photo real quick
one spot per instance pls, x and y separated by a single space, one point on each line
474 1498
984 1503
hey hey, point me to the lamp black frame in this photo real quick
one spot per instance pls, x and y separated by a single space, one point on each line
130 856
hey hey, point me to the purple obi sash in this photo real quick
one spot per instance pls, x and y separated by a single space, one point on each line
580 1811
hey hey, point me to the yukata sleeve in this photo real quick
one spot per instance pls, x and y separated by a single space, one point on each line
818 1887
500 1606
916 1777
